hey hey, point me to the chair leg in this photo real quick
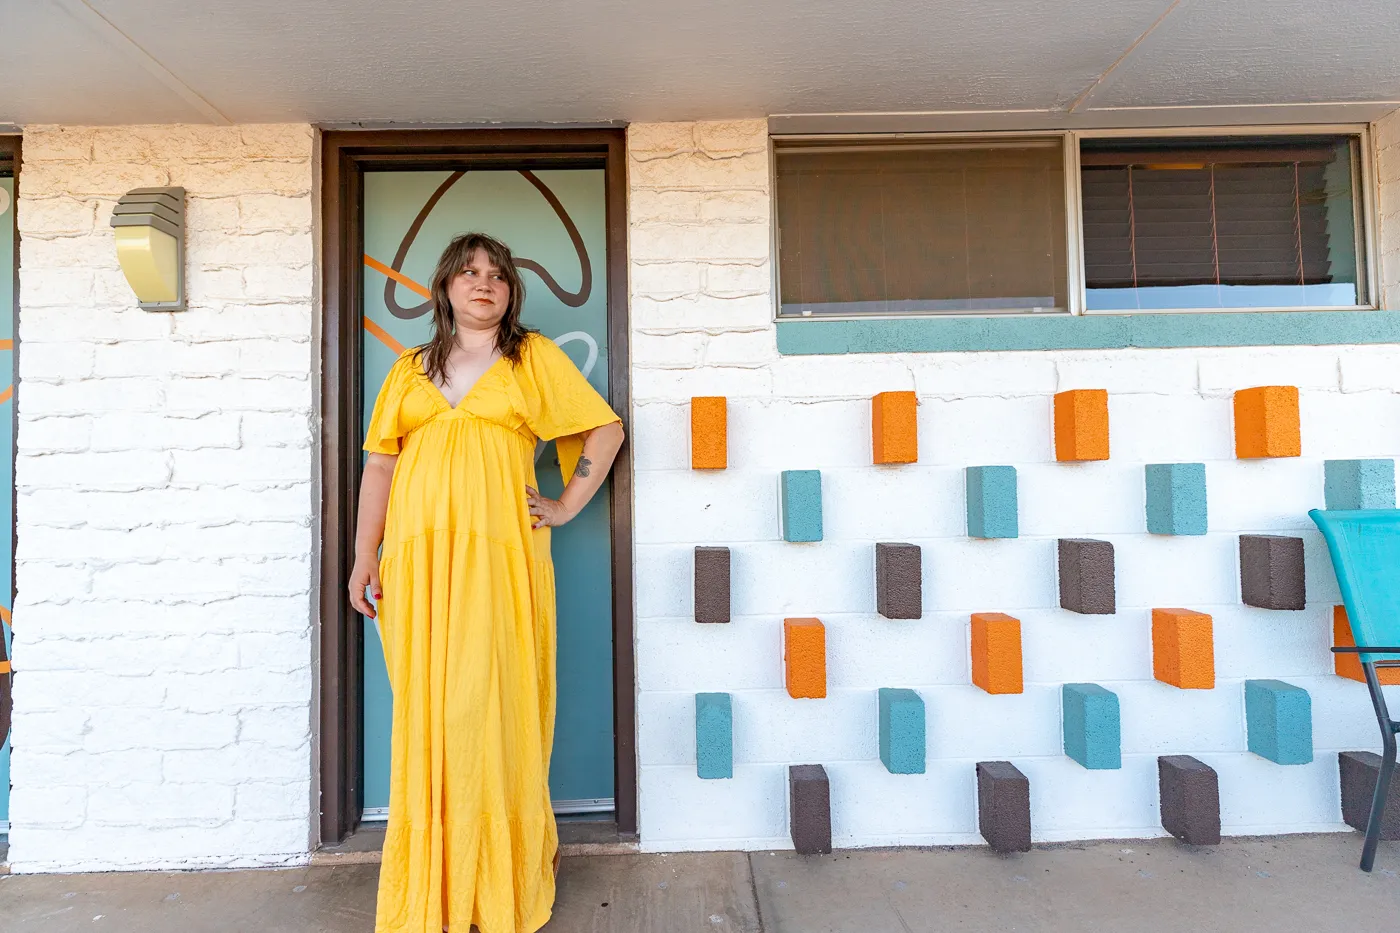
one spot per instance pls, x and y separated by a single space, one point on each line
1373 823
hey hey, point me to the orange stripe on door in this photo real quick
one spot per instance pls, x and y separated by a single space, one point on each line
384 336
396 275
5 395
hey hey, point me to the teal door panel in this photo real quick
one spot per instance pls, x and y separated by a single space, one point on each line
7 470
555 224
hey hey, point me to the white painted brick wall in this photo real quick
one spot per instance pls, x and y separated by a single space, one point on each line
701 280
165 475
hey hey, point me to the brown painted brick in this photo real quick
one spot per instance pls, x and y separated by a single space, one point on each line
1359 771
712 584
809 794
1271 572
1003 806
899 581
1086 576
1190 795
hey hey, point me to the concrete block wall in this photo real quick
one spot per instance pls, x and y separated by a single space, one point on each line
165 475
701 280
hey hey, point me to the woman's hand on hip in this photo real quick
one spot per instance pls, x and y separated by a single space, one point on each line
364 574
544 511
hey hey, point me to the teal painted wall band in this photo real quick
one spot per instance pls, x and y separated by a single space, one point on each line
1089 332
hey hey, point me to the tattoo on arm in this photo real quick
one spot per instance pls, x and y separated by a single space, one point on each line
584 464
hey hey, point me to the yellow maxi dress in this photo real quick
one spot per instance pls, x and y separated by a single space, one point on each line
467 620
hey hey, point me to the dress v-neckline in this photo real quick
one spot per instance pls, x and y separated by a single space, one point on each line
466 395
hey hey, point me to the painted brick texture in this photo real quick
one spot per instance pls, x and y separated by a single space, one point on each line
1359 772
899 581
702 307
1189 790
165 477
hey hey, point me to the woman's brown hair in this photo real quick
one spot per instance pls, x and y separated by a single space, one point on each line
510 334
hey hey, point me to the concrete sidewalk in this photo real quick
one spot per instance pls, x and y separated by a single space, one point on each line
1277 884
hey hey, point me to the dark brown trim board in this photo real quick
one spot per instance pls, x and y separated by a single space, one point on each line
10 161
345 155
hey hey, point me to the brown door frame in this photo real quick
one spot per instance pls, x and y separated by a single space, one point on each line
345 155
10 158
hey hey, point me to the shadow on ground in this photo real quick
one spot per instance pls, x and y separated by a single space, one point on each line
1277 884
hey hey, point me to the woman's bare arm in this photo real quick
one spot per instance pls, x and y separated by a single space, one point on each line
600 447
369 530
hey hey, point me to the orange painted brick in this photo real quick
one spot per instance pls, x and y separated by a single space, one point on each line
1081 424
804 658
1266 422
709 432
1183 648
894 423
1349 665
996 652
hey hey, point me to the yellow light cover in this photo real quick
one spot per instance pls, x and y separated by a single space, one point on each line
150 261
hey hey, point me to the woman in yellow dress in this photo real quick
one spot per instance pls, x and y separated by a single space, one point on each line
465 592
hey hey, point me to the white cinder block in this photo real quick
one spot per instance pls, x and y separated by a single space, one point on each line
834 377
1123 372
1069 801
1223 372
968 724
788 434
872 652
1059 646
681 654
1159 719
1366 369
802 580
160 804
660 436
1259 797
673 384
1338 426
966 575
676 806
1081 500
967 375
1263 496
1265 643
1148 428
665 728
892 503
1168 571
870 806
985 431
665 581
770 726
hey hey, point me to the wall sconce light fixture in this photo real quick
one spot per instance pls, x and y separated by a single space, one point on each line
150 231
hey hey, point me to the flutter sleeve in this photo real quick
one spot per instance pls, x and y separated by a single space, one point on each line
386 425
560 405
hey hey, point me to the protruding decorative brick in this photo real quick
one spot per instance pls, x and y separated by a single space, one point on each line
714 736
1271 572
991 502
996 652
1183 649
1086 576
1349 665
901 730
1093 736
1278 719
1190 793
1266 422
899 581
804 658
894 421
709 432
712 601
1081 424
802 505
1359 773
1003 806
1176 498
809 795
1359 484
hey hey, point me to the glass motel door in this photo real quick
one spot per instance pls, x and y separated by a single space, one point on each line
555 223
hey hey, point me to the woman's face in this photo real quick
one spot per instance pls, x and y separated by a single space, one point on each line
479 293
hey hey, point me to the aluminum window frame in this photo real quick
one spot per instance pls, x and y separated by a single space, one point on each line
1077 298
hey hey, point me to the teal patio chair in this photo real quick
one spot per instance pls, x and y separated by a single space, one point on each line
1365 547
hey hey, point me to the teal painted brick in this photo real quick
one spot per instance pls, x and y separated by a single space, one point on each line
991 502
1093 735
1176 498
1279 721
1359 484
714 735
901 730
802 505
